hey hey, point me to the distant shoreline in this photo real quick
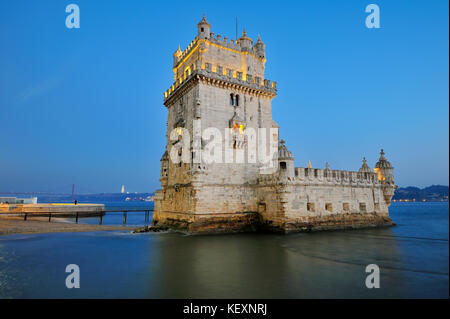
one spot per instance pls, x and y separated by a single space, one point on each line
418 201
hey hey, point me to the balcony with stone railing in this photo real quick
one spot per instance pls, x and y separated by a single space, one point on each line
217 72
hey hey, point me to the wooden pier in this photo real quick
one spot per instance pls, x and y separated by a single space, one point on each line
52 211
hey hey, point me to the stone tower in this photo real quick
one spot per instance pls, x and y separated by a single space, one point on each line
219 85
225 169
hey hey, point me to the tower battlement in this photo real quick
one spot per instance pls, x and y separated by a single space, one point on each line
236 58
313 176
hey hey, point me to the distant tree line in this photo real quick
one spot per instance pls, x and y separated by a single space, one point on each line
430 194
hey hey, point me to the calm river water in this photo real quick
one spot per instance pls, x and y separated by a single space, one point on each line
413 258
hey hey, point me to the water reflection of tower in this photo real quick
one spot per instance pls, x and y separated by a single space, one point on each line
196 268
123 189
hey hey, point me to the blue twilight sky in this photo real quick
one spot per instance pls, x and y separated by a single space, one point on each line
84 106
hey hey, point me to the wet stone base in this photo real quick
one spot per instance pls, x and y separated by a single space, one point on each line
338 222
252 222
208 224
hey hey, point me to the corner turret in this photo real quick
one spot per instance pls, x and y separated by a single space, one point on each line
384 170
365 168
164 168
177 55
204 28
245 43
260 48
285 161
385 173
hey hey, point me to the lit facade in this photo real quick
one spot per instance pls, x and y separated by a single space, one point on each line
221 84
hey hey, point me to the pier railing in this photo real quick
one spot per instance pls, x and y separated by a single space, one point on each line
76 216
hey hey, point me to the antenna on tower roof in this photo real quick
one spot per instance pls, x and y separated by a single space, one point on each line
236 29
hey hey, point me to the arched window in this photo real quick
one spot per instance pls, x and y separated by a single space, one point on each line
237 100
231 99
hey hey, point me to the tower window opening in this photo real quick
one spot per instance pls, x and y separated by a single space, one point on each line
202 29
237 100
231 99
283 165
362 207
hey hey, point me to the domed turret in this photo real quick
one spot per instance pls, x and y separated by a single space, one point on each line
165 156
384 169
283 152
204 28
385 173
365 168
382 161
260 48
245 43
177 55
164 168
285 160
